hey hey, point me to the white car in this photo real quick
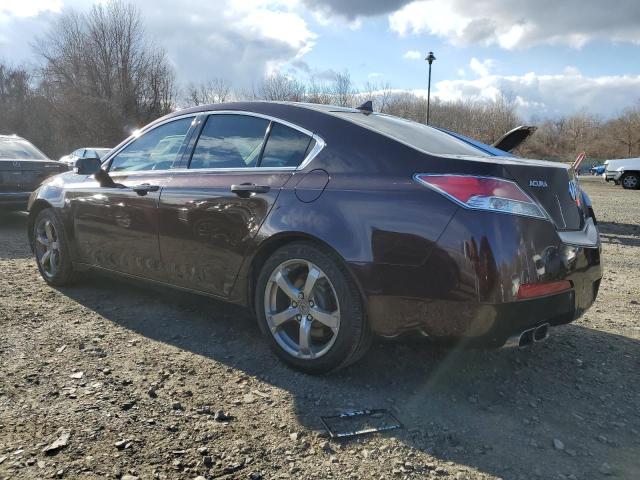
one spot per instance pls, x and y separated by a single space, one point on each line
84 152
625 171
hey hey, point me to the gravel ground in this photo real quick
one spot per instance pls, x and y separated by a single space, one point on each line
113 380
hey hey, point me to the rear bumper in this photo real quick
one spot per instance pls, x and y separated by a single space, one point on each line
468 287
14 199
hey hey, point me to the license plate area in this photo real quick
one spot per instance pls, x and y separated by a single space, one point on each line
360 422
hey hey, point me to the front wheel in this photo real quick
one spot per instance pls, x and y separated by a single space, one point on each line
310 309
630 181
51 249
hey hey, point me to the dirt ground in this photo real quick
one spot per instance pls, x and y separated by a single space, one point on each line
129 379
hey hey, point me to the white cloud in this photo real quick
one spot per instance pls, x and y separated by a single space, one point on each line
520 23
28 8
412 55
481 68
548 95
240 41
374 75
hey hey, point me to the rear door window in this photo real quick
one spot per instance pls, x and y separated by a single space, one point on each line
285 147
230 141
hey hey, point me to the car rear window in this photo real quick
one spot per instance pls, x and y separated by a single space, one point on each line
414 134
285 147
19 150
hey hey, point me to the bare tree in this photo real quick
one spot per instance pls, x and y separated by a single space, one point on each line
216 90
626 129
318 92
342 90
102 75
379 94
280 87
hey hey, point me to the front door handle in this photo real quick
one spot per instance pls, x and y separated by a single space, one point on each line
145 188
246 189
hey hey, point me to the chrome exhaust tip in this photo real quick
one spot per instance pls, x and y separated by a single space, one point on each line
529 337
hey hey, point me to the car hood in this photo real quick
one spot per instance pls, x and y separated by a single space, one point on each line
622 162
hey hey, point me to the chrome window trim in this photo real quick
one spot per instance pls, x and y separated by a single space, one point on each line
145 130
317 148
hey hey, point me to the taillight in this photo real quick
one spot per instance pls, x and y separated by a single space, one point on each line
483 193
533 290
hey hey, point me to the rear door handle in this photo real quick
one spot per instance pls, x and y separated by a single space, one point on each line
246 189
145 188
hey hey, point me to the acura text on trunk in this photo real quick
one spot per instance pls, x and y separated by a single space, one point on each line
331 224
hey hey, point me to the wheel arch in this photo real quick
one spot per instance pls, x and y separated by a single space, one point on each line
273 243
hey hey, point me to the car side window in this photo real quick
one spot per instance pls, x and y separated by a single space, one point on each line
156 149
285 147
229 141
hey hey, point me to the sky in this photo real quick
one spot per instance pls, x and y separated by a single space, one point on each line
555 57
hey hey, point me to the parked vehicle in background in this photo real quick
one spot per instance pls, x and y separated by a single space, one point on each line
624 171
597 169
22 168
331 224
85 152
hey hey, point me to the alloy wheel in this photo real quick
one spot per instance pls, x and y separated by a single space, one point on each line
301 309
630 181
47 247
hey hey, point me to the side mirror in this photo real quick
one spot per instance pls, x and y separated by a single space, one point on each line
87 166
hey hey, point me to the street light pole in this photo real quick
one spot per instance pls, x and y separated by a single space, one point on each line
430 58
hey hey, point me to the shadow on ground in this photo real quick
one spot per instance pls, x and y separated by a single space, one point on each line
620 233
13 235
498 411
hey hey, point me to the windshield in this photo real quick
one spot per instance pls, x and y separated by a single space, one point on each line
414 134
99 152
19 149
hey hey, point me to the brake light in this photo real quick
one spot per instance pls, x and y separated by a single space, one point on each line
532 290
483 193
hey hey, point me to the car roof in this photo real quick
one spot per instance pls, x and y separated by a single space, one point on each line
10 137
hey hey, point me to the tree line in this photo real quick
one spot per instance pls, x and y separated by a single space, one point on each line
101 76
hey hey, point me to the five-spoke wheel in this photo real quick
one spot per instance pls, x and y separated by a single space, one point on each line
47 247
302 309
48 241
310 308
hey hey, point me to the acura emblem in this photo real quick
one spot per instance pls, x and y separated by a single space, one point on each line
538 183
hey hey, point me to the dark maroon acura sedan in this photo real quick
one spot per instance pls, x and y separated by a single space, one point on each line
331 224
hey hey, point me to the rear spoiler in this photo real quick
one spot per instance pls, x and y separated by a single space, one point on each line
514 138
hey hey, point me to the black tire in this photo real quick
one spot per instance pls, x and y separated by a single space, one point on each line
630 181
354 334
63 274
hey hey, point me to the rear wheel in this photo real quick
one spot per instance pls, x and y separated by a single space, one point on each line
310 309
630 181
51 249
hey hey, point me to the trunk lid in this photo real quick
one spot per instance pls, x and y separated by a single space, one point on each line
552 184
555 188
26 175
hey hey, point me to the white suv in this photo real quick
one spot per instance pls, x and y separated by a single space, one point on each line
625 171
